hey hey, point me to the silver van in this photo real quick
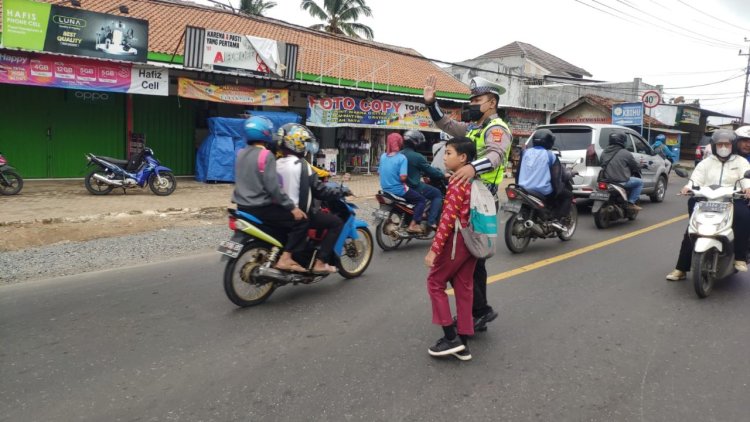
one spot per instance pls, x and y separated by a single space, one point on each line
587 141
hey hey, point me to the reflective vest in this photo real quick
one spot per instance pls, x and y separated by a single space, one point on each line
477 135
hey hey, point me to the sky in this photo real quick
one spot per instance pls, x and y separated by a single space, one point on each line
679 44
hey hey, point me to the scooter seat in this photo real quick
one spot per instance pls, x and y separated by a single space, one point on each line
115 161
244 215
397 198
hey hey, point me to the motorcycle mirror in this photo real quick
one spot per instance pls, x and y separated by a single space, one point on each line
747 175
681 172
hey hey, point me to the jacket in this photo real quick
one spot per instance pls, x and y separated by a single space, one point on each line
253 188
417 166
618 164
711 171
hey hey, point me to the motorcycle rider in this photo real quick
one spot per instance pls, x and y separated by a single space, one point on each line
393 170
540 172
660 147
722 168
743 141
619 166
493 140
257 190
300 182
417 165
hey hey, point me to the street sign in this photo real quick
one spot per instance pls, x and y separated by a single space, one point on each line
651 99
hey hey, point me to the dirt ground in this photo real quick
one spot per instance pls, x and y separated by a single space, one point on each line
48 212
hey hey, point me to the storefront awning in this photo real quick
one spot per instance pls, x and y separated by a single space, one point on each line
670 131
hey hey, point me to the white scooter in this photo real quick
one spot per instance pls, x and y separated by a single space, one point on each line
711 231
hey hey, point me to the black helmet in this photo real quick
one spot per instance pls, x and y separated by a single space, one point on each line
720 136
618 138
543 138
413 138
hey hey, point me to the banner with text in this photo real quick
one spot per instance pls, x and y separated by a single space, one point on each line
235 52
38 26
34 69
379 114
232 94
627 114
522 122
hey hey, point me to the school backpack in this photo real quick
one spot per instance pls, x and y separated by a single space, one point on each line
481 233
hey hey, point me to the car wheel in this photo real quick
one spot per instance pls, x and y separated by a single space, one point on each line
660 190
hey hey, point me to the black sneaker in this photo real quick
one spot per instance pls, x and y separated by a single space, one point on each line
480 323
445 347
463 355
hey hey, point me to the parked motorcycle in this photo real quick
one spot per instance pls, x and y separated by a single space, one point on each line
114 173
10 181
529 217
710 230
395 215
249 276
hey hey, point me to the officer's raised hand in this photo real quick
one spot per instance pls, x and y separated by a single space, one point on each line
429 89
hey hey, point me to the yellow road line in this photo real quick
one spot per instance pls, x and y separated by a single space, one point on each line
571 254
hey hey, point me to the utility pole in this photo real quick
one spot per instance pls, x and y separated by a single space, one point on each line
747 75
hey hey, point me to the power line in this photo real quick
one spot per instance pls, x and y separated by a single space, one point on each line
713 17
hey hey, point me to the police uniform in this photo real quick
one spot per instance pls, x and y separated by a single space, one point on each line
493 140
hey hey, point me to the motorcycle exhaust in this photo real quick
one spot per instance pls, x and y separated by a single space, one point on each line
103 179
263 275
538 230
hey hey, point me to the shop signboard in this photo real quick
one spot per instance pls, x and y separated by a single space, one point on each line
689 116
241 53
232 94
522 122
344 111
21 68
627 114
31 25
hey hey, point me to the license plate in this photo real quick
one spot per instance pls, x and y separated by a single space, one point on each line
599 196
381 214
512 206
229 248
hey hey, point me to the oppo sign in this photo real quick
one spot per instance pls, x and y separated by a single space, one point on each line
91 96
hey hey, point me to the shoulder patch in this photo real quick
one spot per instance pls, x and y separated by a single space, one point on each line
496 134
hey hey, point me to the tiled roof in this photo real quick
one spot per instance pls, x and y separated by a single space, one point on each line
554 64
320 53
605 104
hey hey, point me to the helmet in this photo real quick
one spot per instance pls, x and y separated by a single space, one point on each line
661 138
720 136
294 137
743 132
480 86
413 138
543 138
258 129
617 139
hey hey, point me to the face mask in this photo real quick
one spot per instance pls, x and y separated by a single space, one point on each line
471 113
723 152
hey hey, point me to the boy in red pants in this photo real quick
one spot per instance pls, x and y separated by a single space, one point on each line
447 263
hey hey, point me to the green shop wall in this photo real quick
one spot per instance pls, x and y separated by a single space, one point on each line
45 132
169 126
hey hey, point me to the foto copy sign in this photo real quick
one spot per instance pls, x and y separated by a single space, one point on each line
627 114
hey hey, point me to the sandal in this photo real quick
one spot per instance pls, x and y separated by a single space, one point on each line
329 269
295 268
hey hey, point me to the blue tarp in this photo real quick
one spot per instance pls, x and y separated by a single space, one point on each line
214 161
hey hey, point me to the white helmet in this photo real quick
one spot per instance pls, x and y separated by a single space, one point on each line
743 132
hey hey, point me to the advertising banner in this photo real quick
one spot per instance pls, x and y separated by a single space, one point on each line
34 69
47 27
627 114
232 94
523 123
692 117
234 52
379 114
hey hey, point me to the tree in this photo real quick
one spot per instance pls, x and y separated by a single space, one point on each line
340 17
256 7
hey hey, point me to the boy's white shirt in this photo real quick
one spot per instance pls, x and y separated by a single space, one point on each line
290 170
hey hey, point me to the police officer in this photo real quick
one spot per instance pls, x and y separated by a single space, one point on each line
493 138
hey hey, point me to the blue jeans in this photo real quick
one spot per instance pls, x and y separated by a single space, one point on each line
634 186
414 197
433 195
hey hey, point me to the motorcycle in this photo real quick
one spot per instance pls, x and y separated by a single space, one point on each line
610 204
10 181
395 214
528 217
252 251
710 230
114 173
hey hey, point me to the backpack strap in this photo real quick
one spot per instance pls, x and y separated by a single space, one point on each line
456 228
262 159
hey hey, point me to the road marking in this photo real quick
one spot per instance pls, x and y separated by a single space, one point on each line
580 251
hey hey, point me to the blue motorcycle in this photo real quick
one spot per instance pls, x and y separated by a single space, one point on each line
249 276
143 169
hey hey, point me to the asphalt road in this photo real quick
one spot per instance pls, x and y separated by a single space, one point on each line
598 336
